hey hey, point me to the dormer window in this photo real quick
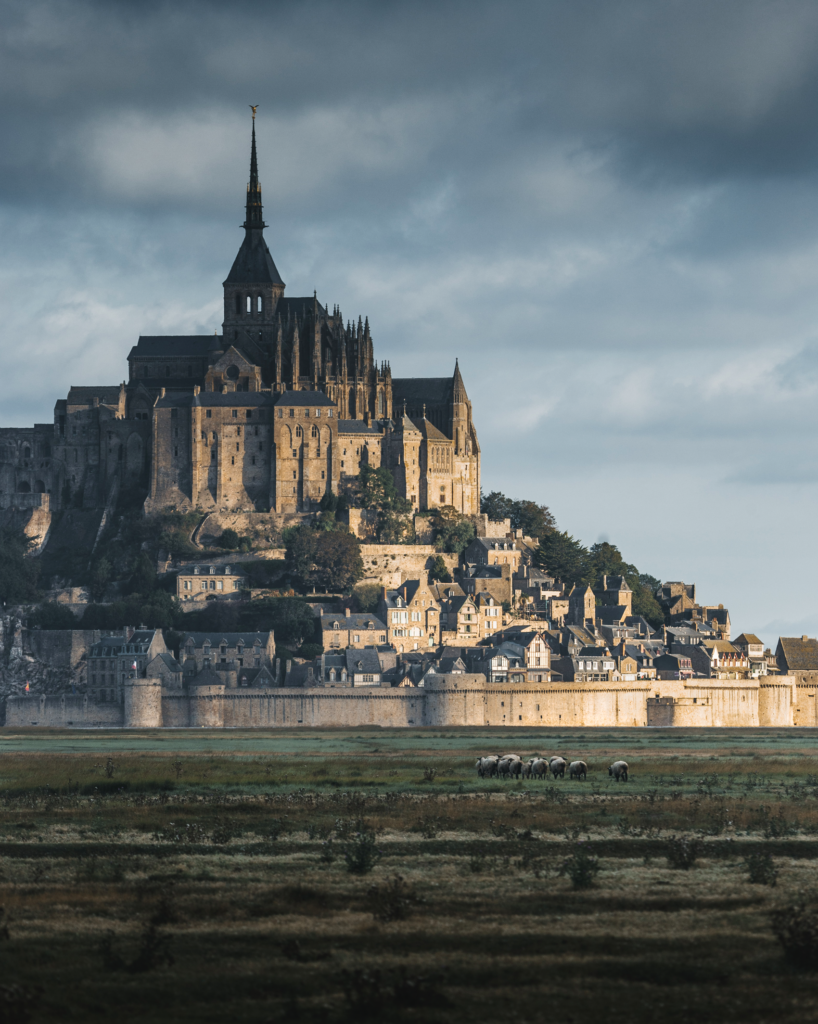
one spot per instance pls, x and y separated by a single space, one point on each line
227 570
336 625
195 570
212 570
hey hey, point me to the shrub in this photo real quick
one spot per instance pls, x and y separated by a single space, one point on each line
361 853
392 901
51 615
229 540
760 869
796 928
682 852
581 867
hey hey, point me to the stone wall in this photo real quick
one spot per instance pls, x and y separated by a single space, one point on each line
389 565
263 528
63 712
444 700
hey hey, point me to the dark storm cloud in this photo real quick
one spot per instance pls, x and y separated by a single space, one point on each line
606 210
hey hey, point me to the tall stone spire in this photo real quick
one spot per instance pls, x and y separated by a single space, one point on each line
254 218
253 286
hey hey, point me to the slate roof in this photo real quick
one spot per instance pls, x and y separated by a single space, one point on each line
594 652
253 263
298 306
108 394
429 430
365 660
170 661
304 398
217 399
801 655
357 620
357 427
172 346
747 638
117 644
417 390
231 639
205 567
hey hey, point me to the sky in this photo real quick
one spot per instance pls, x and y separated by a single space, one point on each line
608 211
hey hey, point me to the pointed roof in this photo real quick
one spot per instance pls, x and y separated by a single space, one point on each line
253 264
457 383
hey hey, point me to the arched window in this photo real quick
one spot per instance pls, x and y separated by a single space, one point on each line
249 304
314 431
298 432
381 409
26 452
260 305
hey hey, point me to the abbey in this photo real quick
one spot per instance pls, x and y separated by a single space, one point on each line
285 404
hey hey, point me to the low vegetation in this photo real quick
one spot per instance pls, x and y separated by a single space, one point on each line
347 875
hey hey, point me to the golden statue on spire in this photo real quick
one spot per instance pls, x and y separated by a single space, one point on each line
254 109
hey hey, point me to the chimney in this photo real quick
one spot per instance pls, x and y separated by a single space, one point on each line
804 638
346 612
383 593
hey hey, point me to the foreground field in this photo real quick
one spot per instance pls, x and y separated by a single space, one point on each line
364 875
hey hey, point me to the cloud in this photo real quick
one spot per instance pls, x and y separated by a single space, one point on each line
607 212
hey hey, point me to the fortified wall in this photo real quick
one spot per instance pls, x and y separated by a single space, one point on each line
444 700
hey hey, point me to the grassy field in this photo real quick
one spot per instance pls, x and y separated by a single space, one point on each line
349 875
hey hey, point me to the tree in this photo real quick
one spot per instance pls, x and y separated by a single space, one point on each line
454 532
367 597
496 506
565 558
229 539
377 491
143 577
18 574
328 559
100 578
290 618
439 571
533 519
51 615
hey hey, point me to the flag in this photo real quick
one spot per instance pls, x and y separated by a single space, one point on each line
133 667
28 688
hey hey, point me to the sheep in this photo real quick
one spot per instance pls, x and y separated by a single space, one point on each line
577 770
619 771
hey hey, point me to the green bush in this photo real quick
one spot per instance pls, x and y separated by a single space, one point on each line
796 928
682 852
581 867
51 615
229 540
761 869
361 853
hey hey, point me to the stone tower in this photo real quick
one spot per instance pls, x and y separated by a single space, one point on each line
253 287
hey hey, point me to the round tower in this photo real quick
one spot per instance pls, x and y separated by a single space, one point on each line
143 704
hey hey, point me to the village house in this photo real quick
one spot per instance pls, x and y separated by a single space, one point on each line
352 629
493 551
412 615
673 666
199 582
113 659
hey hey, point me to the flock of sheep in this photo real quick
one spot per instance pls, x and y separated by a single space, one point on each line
512 766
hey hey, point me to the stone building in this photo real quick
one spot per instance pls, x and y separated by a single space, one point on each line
197 582
285 404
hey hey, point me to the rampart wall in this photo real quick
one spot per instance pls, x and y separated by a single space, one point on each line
445 700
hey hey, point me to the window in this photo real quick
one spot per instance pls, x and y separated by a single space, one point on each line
295 453
208 413
356 639
314 431
237 446
299 432
249 305
329 413
292 413
322 472
317 412
235 414
249 415
280 413
259 306
294 477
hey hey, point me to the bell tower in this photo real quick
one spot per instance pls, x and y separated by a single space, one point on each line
254 286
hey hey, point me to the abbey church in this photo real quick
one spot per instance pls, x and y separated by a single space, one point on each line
287 403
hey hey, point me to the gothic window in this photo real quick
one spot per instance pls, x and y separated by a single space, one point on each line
259 304
298 432
249 304
314 431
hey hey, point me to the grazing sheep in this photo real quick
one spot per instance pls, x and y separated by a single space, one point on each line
558 766
526 772
515 768
577 770
539 768
619 771
486 766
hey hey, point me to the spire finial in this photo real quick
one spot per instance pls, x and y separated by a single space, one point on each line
254 108
254 217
